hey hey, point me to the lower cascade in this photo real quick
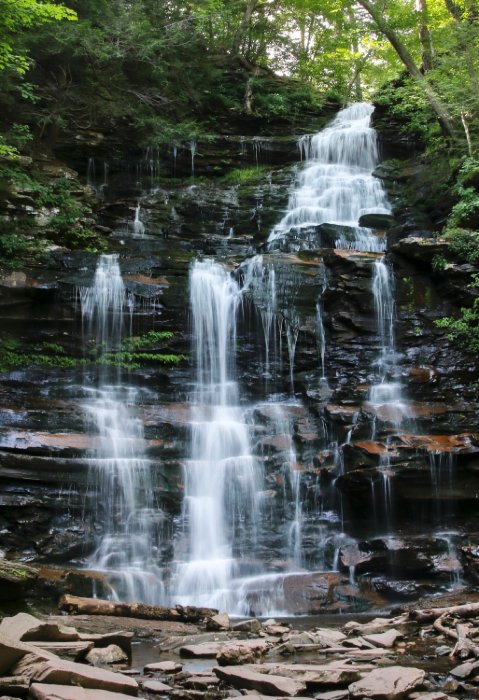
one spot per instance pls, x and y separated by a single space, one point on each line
126 512
222 478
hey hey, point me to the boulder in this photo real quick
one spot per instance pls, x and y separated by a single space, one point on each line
218 622
15 579
52 691
380 221
248 626
112 654
242 652
27 628
390 683
264 683
54 670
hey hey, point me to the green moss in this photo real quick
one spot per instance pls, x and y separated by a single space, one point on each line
464 330
146 340
240 176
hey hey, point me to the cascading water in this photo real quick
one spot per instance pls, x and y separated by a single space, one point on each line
222 478
128 548
337 185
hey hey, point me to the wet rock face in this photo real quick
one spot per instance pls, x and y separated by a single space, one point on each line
357 474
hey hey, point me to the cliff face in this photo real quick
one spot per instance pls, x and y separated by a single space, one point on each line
388 507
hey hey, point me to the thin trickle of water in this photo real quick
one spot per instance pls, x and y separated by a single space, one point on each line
193 147
222 478
128 547
138 225
336 185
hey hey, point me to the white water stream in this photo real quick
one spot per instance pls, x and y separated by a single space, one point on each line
127 516
336 185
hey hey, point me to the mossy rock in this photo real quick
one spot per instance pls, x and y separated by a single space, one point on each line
15 580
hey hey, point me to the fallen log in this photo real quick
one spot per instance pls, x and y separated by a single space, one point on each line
141 611
429 614
464 647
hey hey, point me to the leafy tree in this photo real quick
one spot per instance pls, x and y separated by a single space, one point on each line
16 16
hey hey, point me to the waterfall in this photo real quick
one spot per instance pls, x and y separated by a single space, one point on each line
384 395
120 474
337 185
138 225
193 146
222 478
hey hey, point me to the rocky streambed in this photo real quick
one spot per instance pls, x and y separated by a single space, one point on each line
192 653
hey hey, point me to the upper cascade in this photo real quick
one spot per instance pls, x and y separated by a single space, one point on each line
337 185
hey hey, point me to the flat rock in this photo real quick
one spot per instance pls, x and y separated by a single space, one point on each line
27 628
327 637
206 650
277 630
242 652
155 687
75 651
333 674
201 682
12 652
390 683
464 670
333 695
385 640
47 691
264 683
54 670
163 667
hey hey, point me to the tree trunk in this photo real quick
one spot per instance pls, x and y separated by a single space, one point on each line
425 35
434 100
141 611
250 8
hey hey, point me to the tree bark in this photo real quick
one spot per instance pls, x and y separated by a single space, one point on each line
141 611
428 614
402 51
425 35
250 8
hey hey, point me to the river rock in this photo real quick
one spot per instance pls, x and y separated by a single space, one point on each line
390 683
242 652
163 667
333 674
248 626
386 640
112 654
75 651
156 687
54 670
328 637
264 683
53 691
464 670
206 650
218 622
25 627
15 579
